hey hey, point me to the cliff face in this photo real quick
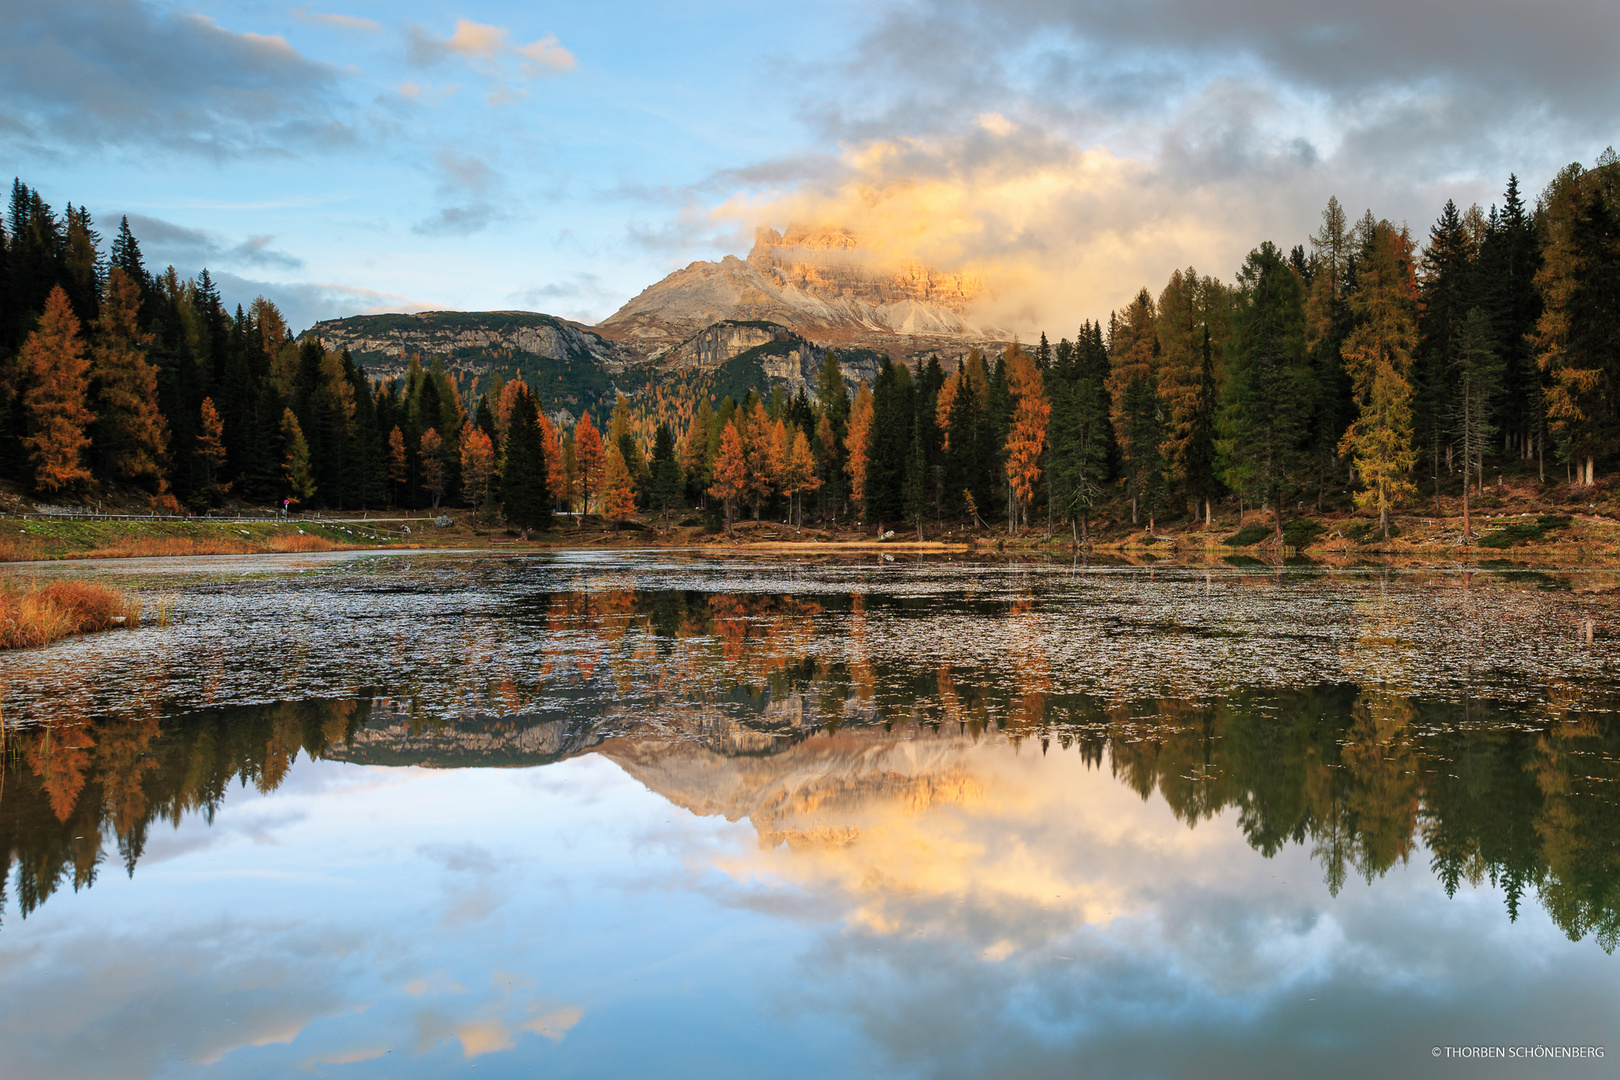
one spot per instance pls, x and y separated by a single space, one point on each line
817 284
384 342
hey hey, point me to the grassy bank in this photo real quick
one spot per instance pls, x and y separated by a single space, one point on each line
44 538
34 613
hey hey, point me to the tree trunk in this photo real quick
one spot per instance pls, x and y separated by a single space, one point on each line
1085 529
1591 480
1133 509
1468 530
1209 514
1276 520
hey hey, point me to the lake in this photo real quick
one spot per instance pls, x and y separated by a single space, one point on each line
632 814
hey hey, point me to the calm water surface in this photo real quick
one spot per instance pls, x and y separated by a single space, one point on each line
645 814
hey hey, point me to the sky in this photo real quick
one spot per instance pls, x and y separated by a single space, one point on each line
361 156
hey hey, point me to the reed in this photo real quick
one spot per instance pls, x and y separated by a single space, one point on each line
34 614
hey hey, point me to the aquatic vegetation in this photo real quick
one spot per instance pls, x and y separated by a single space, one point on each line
38 614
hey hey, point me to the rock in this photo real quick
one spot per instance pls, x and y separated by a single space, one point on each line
443 521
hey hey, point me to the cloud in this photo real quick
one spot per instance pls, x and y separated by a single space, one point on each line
1057 233
165 242
490 51
122 73
470 182
343 22
583 297
304 303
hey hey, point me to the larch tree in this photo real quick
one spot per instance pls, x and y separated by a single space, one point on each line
295 469
397 468
588 460
1268 383
55 405
1577 335
618 494
730 472
556 465
1026 439
131 435
431 453
477 465
858 443
799 473
1378 357
210 454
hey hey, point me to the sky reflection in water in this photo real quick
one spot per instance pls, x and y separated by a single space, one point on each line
748 833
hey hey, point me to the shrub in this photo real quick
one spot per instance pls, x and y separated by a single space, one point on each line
1249 534
40 614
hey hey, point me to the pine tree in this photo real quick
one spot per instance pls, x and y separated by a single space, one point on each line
1478 377
1198 455
1080 428
666 473
1142 446
1445 295
893 409
914 486
525 479
131 435
54 401
1268 383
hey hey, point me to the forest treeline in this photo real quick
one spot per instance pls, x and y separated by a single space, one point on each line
1359 362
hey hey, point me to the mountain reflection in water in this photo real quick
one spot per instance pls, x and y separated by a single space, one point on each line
1364 778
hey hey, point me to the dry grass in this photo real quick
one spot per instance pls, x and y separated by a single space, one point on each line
20 549
38 614
299 542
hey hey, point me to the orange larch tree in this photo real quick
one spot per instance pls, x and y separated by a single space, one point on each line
859 443
556 466
431 450
209 450
588 457
799 474
477 464
397 473
730 471
618 493
1026 441
54 404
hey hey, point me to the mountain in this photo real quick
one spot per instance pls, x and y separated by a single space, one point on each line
713 328
571 366
816 283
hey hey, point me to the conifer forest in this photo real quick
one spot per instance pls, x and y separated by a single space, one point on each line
1370 362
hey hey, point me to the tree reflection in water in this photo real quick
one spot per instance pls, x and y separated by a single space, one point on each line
1364 775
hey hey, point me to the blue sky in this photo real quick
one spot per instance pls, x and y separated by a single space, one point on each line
363 156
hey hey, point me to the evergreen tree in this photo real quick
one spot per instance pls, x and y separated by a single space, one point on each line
1478 377
525 480
1142 446
666 473
1198 455
1268 383
1509 260
1445 298
1080 428
914 486
131 436
893 409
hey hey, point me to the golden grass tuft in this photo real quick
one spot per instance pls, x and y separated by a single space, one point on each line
20 549
299 542
38 614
